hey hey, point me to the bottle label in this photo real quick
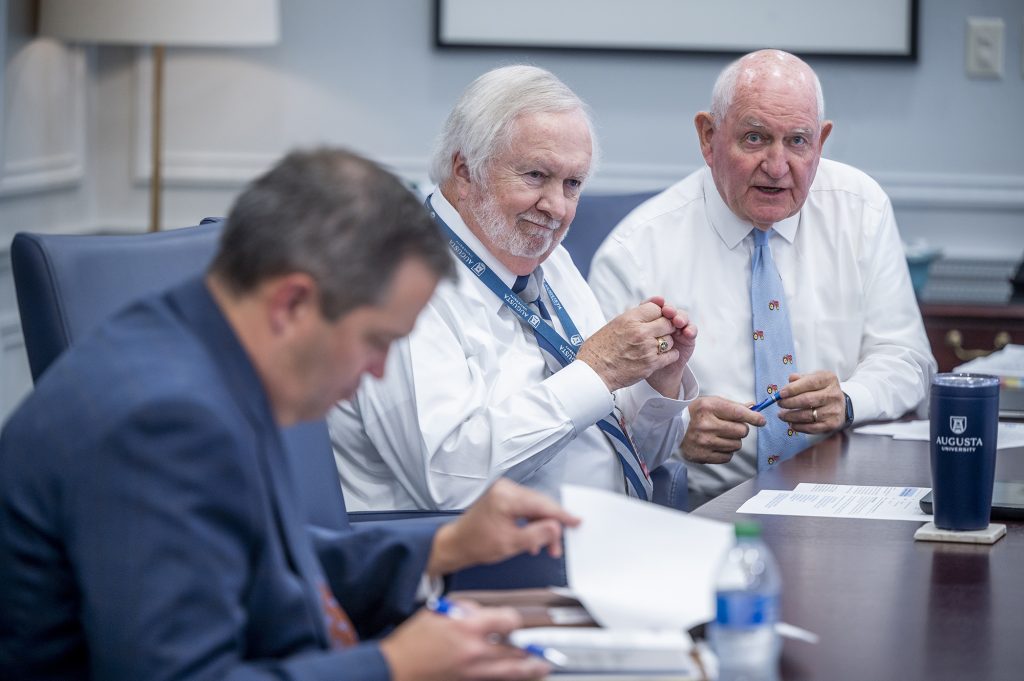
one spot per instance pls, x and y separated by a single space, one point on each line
739 609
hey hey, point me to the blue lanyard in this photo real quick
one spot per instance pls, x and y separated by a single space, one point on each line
564 350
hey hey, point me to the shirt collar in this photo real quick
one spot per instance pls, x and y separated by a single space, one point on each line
732 230
446 211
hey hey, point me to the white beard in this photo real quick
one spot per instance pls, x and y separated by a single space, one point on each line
509 237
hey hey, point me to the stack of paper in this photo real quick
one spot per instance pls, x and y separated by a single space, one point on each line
646 574
1008 362
603 651
1008 365
637 565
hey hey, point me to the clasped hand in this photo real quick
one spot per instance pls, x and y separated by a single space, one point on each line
625 350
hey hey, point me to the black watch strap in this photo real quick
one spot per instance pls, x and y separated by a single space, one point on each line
849 411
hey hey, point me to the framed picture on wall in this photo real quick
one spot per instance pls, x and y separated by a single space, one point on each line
867 28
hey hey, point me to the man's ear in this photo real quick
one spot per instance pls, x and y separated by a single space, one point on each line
705 126
826 130
460 175
292 301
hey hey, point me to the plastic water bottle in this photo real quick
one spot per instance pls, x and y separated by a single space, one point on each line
743 633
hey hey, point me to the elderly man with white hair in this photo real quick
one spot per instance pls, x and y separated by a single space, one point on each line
792 267
512 371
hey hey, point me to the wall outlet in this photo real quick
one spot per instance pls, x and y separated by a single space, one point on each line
985 47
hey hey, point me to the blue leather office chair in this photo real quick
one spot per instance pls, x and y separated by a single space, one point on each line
596 216
68 284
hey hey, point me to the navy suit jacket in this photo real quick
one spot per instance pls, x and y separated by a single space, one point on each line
148 524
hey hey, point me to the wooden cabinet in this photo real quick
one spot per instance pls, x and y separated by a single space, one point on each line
960 331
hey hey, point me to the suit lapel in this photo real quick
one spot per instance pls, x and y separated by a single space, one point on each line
298 546
196 306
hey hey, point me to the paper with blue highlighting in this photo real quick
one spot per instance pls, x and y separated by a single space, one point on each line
865 502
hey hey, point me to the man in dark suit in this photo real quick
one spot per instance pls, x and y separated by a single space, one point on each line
149 528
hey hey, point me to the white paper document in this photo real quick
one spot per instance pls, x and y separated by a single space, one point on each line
640 651
1008 361
1009 434
898 430
636 565
869 502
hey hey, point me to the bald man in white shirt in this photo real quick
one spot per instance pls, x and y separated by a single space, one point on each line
859 346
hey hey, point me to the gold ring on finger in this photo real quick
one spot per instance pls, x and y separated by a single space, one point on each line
814 415
662 344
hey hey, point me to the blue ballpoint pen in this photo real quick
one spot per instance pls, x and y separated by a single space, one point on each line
442 606
768 401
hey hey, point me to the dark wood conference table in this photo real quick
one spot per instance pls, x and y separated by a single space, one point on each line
886 606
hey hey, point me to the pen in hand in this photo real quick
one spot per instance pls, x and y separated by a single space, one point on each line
442 606
768 401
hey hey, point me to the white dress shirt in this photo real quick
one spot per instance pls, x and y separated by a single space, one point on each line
467 398
850 301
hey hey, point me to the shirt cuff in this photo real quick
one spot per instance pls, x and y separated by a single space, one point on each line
864 406
688 391
685 418
430 587
582 393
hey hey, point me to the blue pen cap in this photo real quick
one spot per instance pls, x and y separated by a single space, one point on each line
965 385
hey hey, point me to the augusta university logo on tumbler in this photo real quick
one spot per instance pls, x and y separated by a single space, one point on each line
962 445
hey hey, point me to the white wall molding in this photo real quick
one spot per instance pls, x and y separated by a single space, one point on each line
203 169
15 381
906 189
41 174
184 168
212 169
953 190
11 339
65 168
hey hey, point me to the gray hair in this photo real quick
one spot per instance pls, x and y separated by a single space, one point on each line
334 215
480 125
725 86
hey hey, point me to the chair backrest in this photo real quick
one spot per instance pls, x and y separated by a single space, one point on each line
596 216
68 283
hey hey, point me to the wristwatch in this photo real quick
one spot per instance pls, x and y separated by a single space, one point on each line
849 411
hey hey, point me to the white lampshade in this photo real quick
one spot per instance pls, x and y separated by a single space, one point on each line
159 24
162 22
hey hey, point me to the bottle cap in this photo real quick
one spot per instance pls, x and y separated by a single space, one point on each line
747 528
